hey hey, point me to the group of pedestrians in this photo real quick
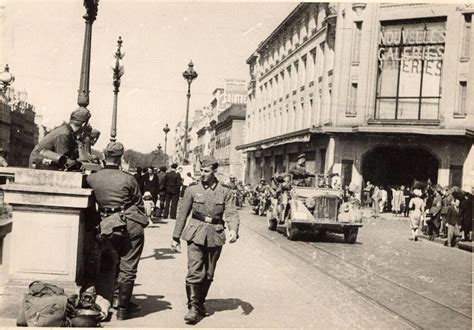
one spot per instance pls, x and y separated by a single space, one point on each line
162 189
394 199
436 211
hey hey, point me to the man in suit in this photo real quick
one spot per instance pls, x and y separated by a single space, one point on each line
139 177
150 183
161 190
172 184
210 203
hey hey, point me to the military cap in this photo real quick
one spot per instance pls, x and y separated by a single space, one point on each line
163 168
114 149
81 114
301 156
208 161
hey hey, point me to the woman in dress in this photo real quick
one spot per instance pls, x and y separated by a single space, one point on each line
417 207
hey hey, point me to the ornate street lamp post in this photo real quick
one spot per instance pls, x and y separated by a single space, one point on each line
83 92
118 69
6 78
166 129
90 16
189 75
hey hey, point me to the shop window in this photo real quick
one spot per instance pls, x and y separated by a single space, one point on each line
352 108
460 110
455 175
410 59
466 37
356 43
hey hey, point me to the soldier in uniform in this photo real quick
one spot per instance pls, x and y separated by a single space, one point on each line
210 203
61 142
298 171
118 196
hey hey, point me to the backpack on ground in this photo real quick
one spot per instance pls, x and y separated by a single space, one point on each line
45 305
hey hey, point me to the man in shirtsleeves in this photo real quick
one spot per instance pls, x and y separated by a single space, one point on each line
210 204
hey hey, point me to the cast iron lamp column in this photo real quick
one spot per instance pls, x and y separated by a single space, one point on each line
83 92
189 75
118 69
166 129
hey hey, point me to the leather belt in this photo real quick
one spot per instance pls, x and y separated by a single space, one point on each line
110 210
200 217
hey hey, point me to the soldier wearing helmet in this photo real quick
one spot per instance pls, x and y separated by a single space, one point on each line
210 204
58 149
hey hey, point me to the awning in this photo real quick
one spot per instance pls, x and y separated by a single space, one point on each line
293 139
300 136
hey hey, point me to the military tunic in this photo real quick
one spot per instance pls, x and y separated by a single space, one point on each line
61 140
112 190
205 240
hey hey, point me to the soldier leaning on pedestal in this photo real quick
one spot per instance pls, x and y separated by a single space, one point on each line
122 220
210 204
58 149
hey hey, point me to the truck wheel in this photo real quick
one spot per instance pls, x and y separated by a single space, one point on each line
350 236
291 231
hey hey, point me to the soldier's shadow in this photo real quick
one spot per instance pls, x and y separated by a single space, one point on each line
161 254
220 305
150 304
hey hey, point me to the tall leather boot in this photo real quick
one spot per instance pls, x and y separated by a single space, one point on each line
204 287
193 293
125 294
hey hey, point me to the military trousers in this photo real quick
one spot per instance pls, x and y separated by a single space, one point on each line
202 262
129 249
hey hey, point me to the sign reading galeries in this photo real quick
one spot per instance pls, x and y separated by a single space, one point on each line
413 43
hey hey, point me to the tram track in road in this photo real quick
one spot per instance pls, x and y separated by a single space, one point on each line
415 309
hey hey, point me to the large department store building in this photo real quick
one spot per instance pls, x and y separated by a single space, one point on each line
379 92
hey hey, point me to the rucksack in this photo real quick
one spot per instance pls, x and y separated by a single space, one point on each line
45 305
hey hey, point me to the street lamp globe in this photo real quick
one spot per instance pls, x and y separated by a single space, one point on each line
6 78
190 74
166 129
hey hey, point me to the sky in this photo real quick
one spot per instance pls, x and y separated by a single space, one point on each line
42 43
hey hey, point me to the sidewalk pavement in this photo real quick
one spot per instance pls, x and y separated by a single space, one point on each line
463 245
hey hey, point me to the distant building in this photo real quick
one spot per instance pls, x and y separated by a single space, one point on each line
379 92
229 134
18 131
201 132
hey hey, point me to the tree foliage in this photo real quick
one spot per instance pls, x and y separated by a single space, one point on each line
137 159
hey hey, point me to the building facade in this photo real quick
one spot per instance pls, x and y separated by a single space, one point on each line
379 92
229 134
18 131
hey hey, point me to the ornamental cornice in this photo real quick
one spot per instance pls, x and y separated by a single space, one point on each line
286 60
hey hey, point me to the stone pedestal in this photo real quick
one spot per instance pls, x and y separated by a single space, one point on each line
48 226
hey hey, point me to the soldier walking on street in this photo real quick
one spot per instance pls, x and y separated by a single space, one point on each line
209 203
122 220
